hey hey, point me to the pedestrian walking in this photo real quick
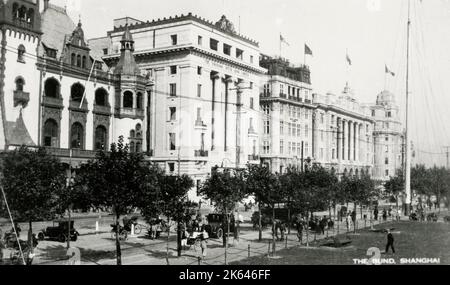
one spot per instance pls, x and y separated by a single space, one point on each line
384 215
204 243
299 226
375 213
390 242
399 214
348 221
1 250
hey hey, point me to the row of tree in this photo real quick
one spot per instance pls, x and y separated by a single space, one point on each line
426 182
36 188
305 192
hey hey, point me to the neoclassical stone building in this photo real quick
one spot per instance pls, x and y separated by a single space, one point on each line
56 94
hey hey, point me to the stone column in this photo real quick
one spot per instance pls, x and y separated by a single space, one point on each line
344 139
350 141
214 77
338 138
226 81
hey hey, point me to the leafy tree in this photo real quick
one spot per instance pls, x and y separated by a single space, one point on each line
225 189
172 202
264 186
395 186
119 180
33 182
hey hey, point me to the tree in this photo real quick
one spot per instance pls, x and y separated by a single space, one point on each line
172 201
225 188
33 182
121 181
264 186
395 186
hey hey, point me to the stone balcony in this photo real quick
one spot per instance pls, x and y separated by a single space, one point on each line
76 105
253 157
52 102
131 113
201 153
105 110
76 153
21 98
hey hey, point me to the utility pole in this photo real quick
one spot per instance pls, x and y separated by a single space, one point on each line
408 144
447 152
239 90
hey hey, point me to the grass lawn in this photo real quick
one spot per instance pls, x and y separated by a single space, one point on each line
412 240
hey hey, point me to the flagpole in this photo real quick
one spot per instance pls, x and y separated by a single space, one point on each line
304 55
280 45
385 80
348 67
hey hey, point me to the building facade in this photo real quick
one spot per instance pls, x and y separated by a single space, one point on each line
55 94
343 134
203 109
388 137
189 93
287 111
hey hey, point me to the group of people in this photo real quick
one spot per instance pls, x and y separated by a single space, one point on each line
315 224
195 229
385 214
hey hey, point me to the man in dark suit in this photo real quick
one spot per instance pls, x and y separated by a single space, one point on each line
390 242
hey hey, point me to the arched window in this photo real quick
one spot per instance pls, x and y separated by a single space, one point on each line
132 147
30 16
73 60
15 11
138 127
101 97
19 84
132 134
51 133
100 138
128 99
83 63
21 53
77 92
139 98
22 13
138 147
79 60
76 136
51 88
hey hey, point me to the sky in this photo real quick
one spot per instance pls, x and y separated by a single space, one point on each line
372 32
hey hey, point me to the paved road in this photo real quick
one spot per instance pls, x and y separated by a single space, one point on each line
99 248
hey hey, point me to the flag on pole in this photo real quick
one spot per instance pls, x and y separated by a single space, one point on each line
388 71
308 50
283 40
349 60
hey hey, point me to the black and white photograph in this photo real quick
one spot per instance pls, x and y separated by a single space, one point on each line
224 133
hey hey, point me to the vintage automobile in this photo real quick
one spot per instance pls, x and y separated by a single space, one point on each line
217 225
59 231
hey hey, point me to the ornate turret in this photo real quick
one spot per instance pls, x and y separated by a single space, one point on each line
385 98
127 65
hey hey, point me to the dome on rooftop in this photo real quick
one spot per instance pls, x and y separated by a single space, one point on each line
385 98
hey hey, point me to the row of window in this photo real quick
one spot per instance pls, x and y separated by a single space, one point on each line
214 45
295 148
387 114
77 135
295 91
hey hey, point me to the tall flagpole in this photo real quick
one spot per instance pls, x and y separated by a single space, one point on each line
280 44
407 135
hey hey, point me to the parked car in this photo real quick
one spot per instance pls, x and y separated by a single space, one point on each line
59 231
217 225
